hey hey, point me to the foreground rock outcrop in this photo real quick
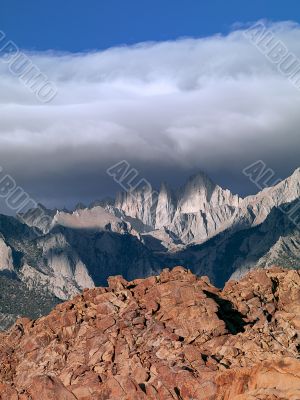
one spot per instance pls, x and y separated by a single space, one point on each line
172 336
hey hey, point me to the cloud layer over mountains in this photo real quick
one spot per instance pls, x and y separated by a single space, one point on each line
168 108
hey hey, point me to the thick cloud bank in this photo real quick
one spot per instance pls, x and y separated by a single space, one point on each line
168 108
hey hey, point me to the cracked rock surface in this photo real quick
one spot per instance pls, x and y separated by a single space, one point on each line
171 336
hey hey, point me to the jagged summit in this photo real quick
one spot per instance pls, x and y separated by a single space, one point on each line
165 188
199 179
197 211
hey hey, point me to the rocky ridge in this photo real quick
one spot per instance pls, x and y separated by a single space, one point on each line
170 336
194 213
202 209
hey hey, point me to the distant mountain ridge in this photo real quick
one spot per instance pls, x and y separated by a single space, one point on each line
194 213
201 226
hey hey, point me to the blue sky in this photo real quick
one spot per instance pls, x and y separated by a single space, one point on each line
73 25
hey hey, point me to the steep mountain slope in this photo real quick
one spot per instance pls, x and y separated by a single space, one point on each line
275 241
284 192
106 252
67 260
44 262
17 300
171 336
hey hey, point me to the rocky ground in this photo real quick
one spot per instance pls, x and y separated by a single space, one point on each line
172 336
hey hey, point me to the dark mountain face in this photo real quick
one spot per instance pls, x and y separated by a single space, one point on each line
232 254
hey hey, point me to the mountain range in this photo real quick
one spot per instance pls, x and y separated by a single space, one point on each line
202 226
